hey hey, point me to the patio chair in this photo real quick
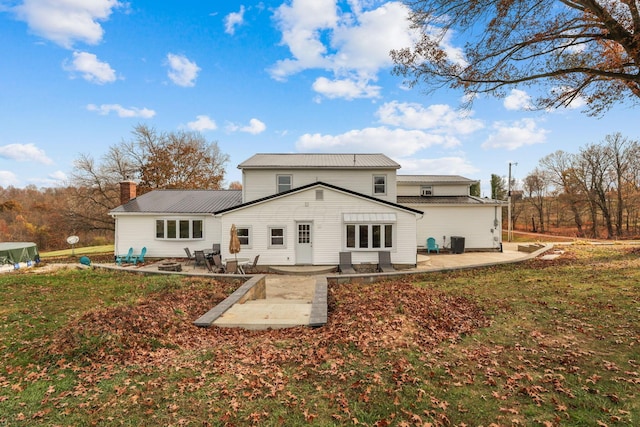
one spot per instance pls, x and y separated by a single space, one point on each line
140 258
128 258
207 264
215 248
432 245
231 267
190 256
252 268
384 262
200 258
345 266
217 264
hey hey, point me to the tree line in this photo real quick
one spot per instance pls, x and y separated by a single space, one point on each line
594 192
154 160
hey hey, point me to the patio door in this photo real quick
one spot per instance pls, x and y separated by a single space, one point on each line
304 243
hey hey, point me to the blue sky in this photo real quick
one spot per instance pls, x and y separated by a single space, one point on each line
276 76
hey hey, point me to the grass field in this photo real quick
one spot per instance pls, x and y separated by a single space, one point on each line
550 343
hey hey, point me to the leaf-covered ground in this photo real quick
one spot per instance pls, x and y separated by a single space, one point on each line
538 343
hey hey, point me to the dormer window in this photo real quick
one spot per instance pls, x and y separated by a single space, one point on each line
426 191
284 182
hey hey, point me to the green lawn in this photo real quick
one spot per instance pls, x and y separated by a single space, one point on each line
545 343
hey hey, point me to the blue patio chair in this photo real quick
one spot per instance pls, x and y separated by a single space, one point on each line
432 245
128 258
140 258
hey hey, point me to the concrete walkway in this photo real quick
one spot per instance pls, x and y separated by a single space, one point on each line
288 303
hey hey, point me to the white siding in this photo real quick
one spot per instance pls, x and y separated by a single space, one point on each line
258 183
477 224
327 230
136 231
437 189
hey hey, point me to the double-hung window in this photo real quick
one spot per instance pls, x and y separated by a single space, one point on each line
284 182
379 185
277 237
179 229
244 235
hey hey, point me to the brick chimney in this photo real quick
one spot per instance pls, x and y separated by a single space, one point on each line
127 191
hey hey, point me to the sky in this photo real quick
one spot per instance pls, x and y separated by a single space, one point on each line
295 76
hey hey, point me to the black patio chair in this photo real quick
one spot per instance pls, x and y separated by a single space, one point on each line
190 256
345 266
200 258
384 262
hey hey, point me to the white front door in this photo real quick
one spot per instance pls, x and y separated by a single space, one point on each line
304 243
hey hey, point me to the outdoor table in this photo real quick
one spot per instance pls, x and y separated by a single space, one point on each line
242 262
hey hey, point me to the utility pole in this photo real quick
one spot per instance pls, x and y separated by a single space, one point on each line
509 222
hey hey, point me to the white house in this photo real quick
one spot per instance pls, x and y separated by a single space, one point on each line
304 209
450 210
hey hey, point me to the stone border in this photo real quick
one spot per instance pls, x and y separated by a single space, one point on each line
319 304
252 289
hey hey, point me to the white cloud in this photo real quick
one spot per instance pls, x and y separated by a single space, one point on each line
254 127
55 179
351 45
66 21
393 142
233 20
439 166
518 100
121 111
182 71
91 68
24 153
345 88
202 123
437 118
516 134
8 179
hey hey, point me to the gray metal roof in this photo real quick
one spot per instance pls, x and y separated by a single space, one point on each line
182 202
321 161
433 179
447 200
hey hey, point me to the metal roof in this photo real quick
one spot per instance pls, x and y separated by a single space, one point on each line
447 200
182 202
433 179
320 161
322 184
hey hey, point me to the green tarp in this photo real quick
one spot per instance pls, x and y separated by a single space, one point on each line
14 252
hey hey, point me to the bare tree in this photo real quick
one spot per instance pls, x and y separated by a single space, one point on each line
535 186
598 180
183 160
559 168
588 49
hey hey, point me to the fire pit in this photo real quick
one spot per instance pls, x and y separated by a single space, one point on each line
170 266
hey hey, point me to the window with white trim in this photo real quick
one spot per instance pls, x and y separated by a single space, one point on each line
369 236
284 182
277 237
379 185
179 229
244 235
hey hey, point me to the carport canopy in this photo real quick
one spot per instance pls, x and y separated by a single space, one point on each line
14 252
